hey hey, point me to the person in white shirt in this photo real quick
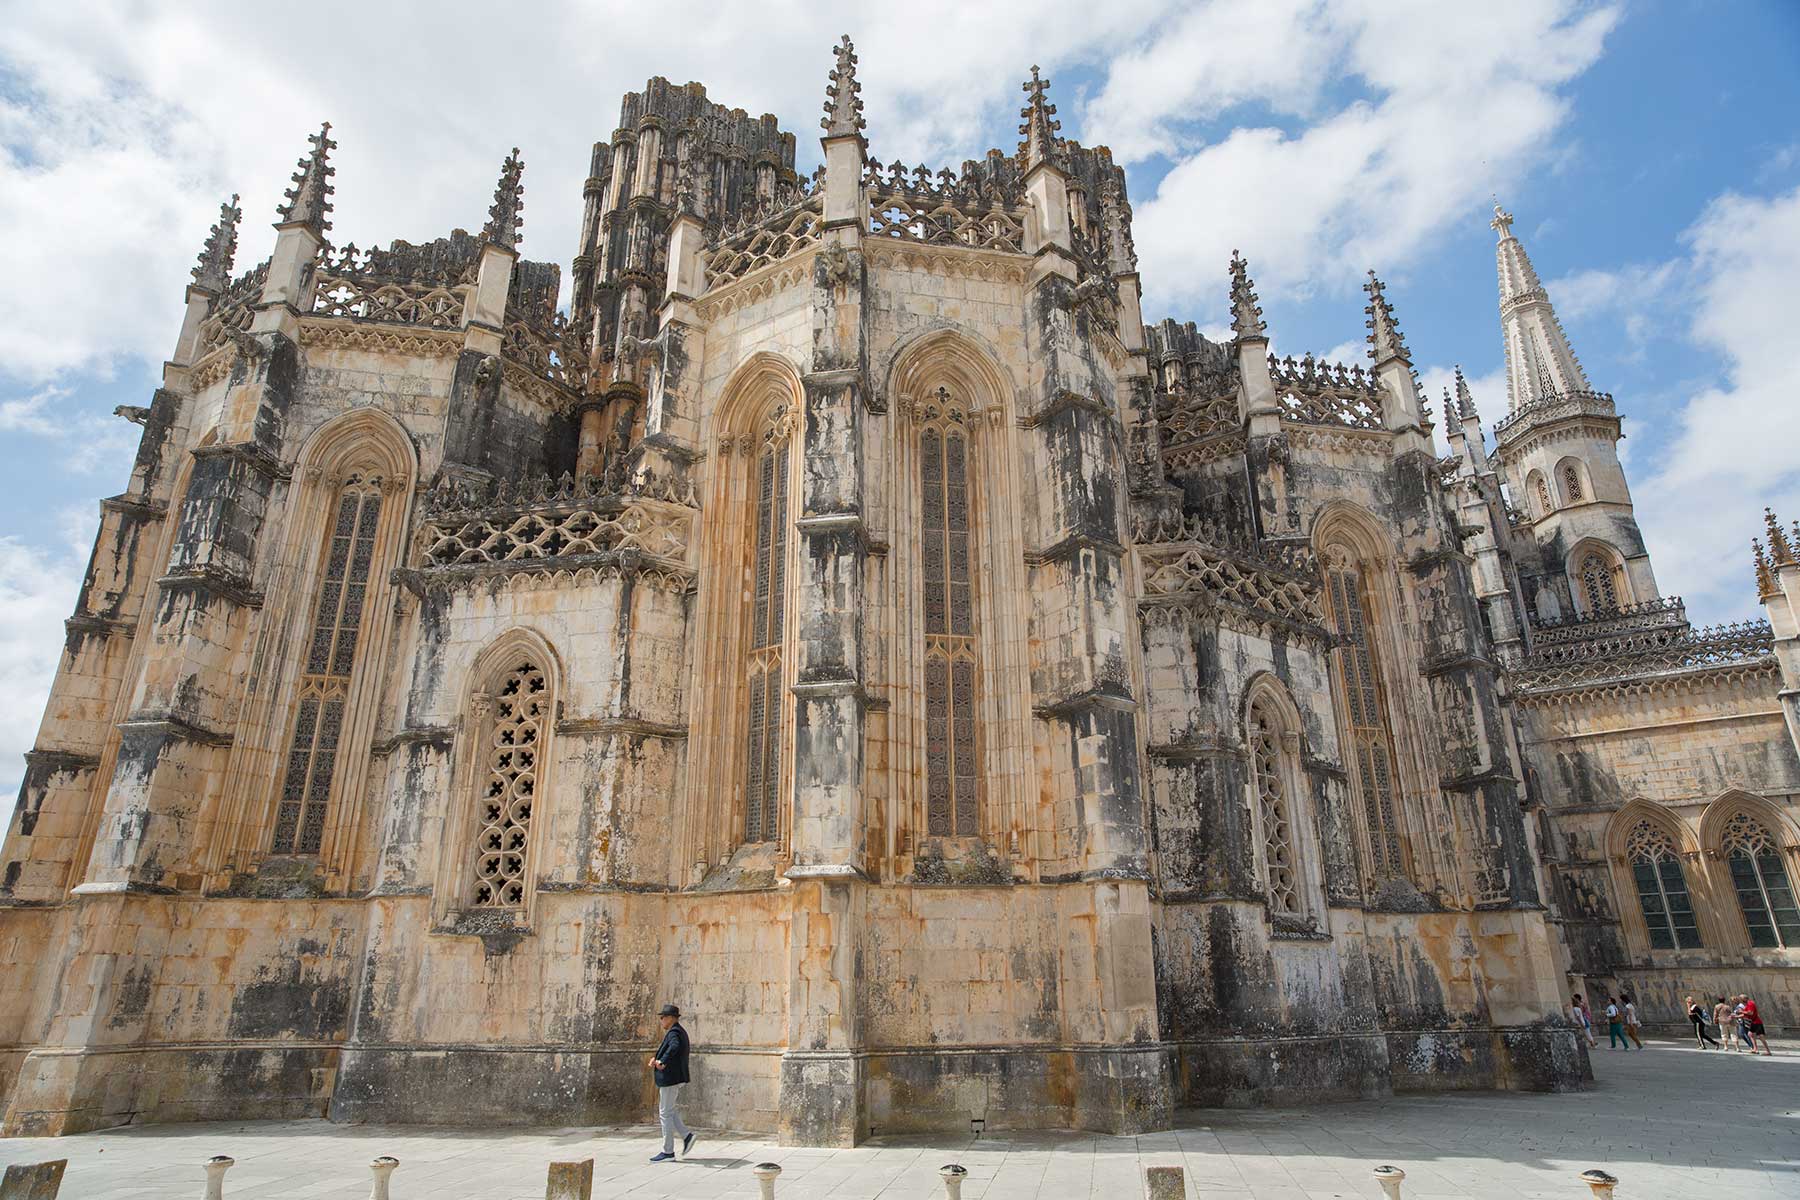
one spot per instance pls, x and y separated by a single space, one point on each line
1578 1014
1631 1020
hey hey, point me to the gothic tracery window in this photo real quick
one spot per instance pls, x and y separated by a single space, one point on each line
1572 482
1269 779
1597 582
1370 738
952 661
325 678
1542 487
1662 888
1761 881
513 729
762 771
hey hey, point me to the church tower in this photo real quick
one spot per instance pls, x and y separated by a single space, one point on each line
1558 450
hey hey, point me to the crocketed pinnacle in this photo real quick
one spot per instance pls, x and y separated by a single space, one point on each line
1539 360
1038 131
506 215
213 271
1246 316
1385 340
1765 578
309 200
1465 399
1781 551
843 95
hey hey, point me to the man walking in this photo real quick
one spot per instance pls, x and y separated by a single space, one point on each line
671 1067
1615 1028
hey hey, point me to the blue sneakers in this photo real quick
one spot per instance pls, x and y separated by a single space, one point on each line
665 1156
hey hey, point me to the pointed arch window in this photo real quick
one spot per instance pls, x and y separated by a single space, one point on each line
1542 489
1662 888
1370 737
1572 482
1764 893
513 728
1269 773
330 663
1598 583
952 658
765 665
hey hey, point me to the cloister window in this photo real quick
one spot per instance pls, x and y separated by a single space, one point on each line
1370 738
325 679
1662 888
952 660
764 669
512 736
1597 582
1269 779
1763 891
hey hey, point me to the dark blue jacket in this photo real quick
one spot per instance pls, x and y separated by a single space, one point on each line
672 1054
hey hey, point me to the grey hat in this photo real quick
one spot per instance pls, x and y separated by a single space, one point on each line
669 1010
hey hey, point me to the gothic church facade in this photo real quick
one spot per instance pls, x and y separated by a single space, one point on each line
851 620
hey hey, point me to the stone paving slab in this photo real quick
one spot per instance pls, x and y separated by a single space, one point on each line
1671 1122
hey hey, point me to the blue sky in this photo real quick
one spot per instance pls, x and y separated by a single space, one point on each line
1648 149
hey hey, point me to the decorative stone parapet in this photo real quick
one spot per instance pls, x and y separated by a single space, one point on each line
1556 406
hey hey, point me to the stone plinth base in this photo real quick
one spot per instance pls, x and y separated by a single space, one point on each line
1120 1090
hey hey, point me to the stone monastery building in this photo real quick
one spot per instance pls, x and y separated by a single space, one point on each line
852 622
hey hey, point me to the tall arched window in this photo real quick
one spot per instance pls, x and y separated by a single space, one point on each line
952 661
764 668
1572 482
1370 738
1662 888
1761 881
1598 584
1269 778
330 661
1540 489
514 720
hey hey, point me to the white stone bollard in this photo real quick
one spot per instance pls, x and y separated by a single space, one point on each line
216 1166
953 1174
1599 1182
765 1178
381 1168
1389 1177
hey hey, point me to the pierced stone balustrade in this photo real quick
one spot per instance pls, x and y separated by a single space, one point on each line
1544 410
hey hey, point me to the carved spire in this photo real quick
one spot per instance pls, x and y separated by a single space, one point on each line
213 271
1038 131
1539 360
506 213
1246 316
1781 551
1765 578
843 95
1385 339
1465 399
1115 216
309 200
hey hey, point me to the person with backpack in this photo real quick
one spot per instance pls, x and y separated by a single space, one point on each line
1615 1026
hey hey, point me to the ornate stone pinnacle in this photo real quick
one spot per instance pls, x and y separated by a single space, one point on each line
1502 222
1765 578
1038 130
1781 551
843 95
506 213
1246 316
213 271
1465 400
1385 339
309 200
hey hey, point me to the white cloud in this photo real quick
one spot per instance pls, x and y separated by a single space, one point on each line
37 591
1626 290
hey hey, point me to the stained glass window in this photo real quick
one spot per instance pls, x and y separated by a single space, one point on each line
509 788
762 743
1371 741
952 662
325 680
1662 888
1761 881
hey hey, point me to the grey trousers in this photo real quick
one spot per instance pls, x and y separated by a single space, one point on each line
666 1112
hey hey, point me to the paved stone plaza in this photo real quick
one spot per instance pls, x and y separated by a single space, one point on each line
1672 1122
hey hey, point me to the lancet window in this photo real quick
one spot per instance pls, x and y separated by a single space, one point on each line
764 668
1275 825
1662 888
952 658
513 729
1572 482
1541 487
1597 582
1370 737
325 679
1764 893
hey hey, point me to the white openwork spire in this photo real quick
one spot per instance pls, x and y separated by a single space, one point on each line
843 95
1539 361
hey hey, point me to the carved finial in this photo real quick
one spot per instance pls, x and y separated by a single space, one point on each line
1765 578
506 213
1465 400
213 271
1038 130
843 95
1246 317
1502 222
1781 551
1385 339
309 200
